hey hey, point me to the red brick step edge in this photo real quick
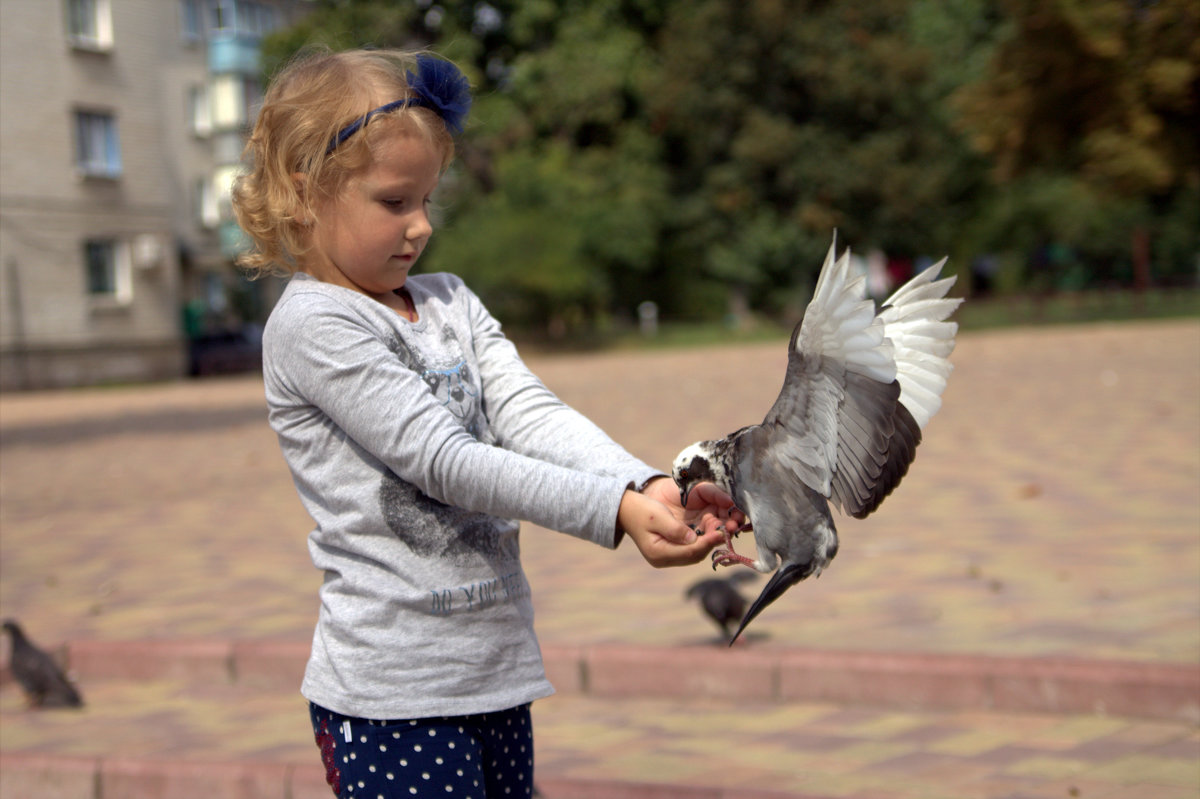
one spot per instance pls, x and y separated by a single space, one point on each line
891 680
67 777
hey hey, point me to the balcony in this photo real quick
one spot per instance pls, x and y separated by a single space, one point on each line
232 53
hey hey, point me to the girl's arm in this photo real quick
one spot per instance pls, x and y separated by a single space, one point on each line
333 384
529 418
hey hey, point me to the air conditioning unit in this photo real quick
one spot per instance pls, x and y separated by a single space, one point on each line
146 251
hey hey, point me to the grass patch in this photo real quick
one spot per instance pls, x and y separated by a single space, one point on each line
975 314
1078 308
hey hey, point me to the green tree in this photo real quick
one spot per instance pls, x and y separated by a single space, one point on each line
1088 112
700 153
785 120
579 181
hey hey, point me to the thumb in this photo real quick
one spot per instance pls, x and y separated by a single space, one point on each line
708 495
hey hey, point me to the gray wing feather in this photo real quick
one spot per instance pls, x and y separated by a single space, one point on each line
802 424
840 423
876 444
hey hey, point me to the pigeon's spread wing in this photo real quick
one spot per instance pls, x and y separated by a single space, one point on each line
860 387
819 430
914 321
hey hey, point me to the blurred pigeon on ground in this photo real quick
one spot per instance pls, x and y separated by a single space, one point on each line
38 675
720 600
860 387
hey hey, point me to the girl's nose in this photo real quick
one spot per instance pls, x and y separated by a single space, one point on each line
420 227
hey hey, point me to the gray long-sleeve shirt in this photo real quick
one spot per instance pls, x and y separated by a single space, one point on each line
415 447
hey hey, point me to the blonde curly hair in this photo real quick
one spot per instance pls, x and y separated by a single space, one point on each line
310 100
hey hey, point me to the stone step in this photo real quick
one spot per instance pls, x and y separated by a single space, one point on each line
881 679
192 734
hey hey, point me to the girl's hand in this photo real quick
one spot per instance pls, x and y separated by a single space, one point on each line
708 507
663 539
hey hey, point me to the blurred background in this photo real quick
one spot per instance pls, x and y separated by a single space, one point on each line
630 167
634 172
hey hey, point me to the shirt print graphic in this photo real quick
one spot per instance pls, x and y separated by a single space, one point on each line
435 530
432 529
448 375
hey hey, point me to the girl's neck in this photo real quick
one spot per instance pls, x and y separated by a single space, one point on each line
399 300
410 309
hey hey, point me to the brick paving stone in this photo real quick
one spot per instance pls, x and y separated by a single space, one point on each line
1049 512
1052 512
135 727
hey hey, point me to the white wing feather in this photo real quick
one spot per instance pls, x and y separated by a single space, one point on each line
914 320
840 323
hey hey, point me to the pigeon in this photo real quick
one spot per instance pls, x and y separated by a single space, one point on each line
860 387
38 675
720 599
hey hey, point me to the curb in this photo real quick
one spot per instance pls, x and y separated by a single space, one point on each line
619 671
69 777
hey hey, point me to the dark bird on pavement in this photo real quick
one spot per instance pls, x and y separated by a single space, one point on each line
860 387
720 599
38 675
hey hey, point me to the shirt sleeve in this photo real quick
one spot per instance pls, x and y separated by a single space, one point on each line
529 418
333 359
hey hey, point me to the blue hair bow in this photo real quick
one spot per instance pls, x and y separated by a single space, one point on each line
441 87
438 86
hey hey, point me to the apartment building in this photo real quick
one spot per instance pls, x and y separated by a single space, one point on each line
121 126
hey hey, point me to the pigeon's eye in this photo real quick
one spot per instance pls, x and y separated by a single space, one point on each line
683 473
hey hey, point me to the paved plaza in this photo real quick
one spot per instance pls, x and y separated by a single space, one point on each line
1053 511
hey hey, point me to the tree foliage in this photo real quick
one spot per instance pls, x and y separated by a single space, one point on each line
1089 115
690 152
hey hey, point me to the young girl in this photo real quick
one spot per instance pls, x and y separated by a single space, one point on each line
416 436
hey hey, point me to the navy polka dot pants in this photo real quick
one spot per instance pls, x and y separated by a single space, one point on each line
483 756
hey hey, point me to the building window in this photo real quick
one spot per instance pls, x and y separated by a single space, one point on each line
199 111
208 212
256 19
242 18
106 265
223 180
235 101
224 17
191 21
89 24
97 149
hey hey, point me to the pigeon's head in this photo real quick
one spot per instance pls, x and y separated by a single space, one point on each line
698 463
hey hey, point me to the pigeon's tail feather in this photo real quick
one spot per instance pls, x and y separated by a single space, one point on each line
914 320
788 575
840 322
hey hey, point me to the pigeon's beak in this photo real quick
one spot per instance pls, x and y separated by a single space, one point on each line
683 496
787 576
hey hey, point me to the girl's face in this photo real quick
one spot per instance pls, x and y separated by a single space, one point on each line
369 235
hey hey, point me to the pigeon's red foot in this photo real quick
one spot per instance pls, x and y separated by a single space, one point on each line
726 556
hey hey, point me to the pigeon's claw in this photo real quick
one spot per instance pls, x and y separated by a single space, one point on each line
727 557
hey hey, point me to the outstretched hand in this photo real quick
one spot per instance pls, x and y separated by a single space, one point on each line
669 534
